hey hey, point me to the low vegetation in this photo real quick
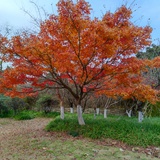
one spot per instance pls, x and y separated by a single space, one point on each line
125 129
122 128
28 140
27 115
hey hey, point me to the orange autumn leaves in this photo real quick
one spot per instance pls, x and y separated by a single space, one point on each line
75 52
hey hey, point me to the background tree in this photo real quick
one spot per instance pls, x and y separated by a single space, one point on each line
150 52
73 49
16 104
4 109
130 106
47 103
153 75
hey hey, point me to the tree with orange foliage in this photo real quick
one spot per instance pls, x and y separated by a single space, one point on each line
79 54
3 41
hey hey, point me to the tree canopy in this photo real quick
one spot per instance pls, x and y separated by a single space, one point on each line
81 54
153 74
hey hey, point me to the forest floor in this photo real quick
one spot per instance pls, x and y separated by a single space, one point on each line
27 140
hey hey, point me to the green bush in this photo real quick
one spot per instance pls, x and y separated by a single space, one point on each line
125 129
25 115
15 104
30 102
5 111
155 110
48 115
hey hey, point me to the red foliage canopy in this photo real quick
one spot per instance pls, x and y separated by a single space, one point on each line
74 51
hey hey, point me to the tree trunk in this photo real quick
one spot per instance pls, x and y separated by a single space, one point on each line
105 113
97 111
61 110
71 110
129 113
80 117
140 116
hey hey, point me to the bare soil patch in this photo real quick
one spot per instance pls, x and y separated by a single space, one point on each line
10 128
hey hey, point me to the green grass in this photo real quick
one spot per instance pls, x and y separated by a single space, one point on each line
27 115
45 148
48 115
125 129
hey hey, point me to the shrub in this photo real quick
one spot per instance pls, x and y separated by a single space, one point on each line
16 104
155 110
48 115
4 109
30 102
25 115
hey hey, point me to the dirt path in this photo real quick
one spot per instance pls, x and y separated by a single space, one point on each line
10 128
27 140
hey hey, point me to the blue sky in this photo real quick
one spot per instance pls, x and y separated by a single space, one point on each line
146 12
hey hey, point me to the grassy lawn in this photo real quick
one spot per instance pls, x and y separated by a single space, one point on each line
33 147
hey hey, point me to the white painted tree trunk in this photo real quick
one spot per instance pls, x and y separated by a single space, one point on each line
61 111
80 117
129 112
105 113
71 110
97 111
140 116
